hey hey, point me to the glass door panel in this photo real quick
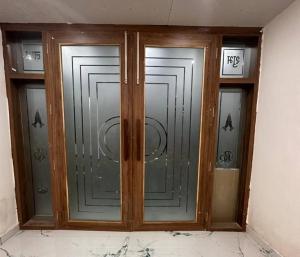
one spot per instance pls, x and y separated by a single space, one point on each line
92 102
33 108
227 173
173 88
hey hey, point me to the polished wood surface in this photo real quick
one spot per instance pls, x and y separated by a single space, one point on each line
53 36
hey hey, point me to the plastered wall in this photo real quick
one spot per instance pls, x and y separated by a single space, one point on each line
275 186
8 214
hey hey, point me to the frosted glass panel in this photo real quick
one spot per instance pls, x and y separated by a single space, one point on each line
232 102
35 127
38 134
91 81
173 86
230 129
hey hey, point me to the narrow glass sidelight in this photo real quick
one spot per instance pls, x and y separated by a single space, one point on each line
231 128
92 102
173 88
35 139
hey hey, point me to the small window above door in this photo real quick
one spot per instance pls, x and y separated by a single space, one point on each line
25 52
238 57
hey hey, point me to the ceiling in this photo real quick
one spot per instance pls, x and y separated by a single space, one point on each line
154 12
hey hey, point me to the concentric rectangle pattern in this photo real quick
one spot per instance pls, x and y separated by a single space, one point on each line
173 85
92 100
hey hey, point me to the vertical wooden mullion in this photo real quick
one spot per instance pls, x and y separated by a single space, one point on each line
138 134
128 102
212 134
15 135
51 135
60 176
126 91
205 133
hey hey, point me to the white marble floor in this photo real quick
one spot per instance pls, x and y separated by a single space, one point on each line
61 243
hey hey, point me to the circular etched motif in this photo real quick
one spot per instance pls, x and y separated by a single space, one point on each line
155 139
109 138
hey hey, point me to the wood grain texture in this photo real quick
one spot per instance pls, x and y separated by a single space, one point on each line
53 36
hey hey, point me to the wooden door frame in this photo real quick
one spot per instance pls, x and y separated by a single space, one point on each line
55 40
55 115
180 40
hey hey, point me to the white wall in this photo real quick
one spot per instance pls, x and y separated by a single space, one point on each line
8 214
275 186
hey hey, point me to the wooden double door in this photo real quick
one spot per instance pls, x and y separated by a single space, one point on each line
131 128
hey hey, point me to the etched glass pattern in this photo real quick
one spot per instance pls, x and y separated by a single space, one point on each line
37 140
173 83
230 128
91 82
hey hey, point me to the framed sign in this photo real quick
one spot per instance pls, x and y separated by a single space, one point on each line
232 63
32 55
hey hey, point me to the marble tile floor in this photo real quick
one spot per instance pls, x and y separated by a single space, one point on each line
69 243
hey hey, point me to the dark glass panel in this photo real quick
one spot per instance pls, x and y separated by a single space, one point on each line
36 152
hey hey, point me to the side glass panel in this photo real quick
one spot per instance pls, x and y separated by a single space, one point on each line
35 130
229 153
173 85
92 102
